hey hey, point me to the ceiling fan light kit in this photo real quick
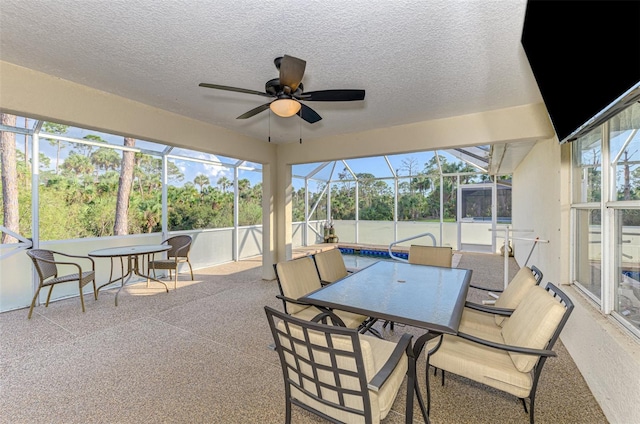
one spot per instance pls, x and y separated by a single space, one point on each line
288 92
285 107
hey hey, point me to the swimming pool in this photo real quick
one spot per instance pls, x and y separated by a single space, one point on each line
363 257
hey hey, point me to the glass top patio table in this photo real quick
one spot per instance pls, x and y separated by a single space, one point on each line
132 253
422 296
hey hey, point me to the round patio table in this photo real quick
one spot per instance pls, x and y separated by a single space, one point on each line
132 253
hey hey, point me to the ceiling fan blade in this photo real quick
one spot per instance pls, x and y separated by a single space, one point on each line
238 90
308 114
291 71
254 111
333 96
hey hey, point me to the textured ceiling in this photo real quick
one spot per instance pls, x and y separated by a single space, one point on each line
417 59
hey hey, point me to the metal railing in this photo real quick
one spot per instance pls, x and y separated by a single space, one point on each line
397 258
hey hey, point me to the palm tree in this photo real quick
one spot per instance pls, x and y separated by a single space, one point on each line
105 159
224 183
58 129
201 180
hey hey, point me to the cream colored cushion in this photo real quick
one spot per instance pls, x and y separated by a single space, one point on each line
489 366
331 265
515 291
297 278
430 255
480 324
375 353
531 325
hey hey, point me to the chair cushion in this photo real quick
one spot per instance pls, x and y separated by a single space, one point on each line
297 278
375 353
431 255
532 325
515 291
485 365
381 351
331 265
480 324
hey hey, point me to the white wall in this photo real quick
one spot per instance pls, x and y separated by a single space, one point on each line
536 199
608 358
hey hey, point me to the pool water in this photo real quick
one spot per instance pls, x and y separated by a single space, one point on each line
363 258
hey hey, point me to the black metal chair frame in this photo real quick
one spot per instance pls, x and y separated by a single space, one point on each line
313 379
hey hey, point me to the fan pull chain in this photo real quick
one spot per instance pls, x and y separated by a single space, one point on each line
269 126
300 126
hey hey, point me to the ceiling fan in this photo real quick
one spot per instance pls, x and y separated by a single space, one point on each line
288 92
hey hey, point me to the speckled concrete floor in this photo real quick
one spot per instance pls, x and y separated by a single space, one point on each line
199 355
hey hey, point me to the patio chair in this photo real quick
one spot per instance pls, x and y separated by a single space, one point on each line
509 359
431 255
337 373
179 253
298 277
331 266
46 264
477 317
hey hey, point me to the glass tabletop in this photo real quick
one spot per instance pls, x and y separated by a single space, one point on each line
130 250
423 296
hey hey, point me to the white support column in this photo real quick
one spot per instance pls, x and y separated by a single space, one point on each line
165 197
236 214
268 222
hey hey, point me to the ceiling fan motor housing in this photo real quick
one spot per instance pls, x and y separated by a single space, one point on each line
274 88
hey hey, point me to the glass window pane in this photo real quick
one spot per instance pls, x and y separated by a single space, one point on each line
628 265
588 250
587 167
625 153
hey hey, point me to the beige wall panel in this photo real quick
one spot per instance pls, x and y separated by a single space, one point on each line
523 123
41 96
536 206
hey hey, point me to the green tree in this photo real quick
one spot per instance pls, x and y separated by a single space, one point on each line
57 129
120 226
9 173
224 183
201 180
105 159
77 164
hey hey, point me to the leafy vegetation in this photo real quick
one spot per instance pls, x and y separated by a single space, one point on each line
78 193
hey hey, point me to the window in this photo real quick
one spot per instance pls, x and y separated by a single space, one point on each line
606 212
